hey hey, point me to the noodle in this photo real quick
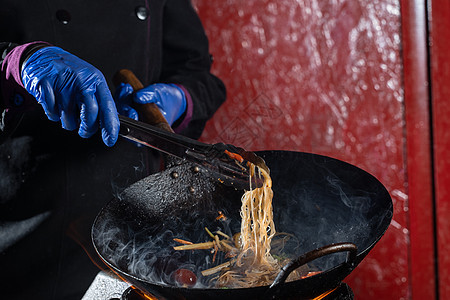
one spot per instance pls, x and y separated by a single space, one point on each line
256 264
253 264
257 227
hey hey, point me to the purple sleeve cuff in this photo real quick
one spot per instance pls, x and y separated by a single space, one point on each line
11 65
189 109
12 86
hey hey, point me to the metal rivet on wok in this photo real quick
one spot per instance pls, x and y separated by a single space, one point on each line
174 175
191 189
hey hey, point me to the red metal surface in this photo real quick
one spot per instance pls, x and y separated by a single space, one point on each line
322 77
440 73
418 138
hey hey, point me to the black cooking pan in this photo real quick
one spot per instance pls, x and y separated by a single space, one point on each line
318 200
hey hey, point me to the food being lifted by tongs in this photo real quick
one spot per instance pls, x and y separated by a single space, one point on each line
230 164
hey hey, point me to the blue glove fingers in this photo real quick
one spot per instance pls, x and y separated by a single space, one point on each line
146 95
109 120
67 110
128 111
123 99
68 88
88 114
87 126
169 98
46 98
41 89
123 90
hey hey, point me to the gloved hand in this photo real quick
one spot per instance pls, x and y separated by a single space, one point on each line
169 98
73 91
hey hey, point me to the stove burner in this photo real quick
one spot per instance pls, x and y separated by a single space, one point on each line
107 286
343 292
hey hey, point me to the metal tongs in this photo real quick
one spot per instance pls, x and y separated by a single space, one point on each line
227 162
230 164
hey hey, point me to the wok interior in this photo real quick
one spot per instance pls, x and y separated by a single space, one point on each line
317 199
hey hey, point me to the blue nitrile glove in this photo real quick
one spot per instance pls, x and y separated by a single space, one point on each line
169 98
73 91
123 97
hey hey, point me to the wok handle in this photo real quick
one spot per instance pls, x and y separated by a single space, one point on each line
312 255
149 112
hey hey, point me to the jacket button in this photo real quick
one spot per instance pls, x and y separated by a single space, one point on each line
141 13
63 16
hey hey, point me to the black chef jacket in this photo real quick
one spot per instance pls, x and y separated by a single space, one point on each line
52 182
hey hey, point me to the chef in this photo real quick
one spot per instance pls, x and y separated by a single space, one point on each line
61 159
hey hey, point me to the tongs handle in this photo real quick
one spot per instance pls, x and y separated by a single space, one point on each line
149 112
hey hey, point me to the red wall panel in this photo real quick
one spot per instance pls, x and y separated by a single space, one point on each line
322 77
439 15
418 141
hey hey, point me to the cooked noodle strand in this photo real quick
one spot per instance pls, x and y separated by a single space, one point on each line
257 231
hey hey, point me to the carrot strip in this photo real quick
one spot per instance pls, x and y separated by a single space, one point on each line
234 156
215 253
221 216
182 241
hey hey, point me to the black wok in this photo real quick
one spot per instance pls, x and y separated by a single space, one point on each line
320 200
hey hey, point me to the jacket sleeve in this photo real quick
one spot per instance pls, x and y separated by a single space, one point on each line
5 49
14 99
187 62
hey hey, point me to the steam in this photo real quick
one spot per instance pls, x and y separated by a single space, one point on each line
313 205
149 255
